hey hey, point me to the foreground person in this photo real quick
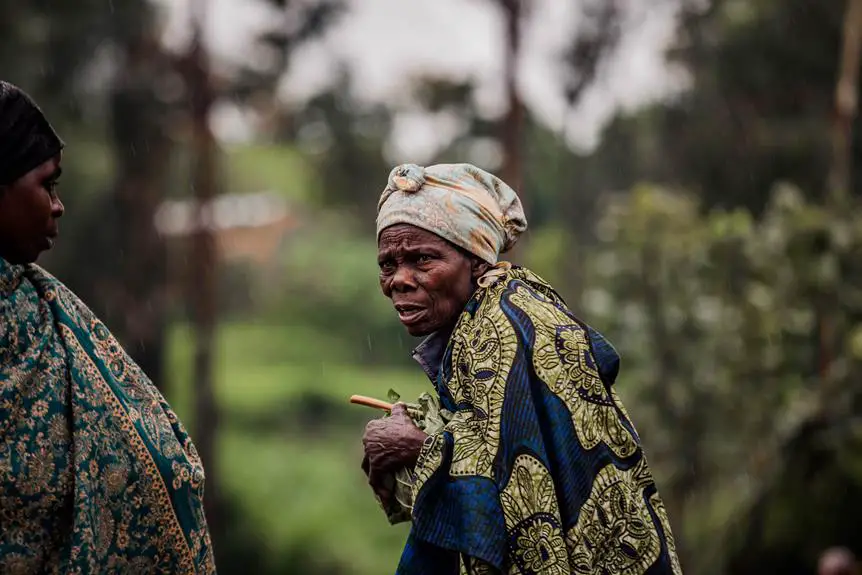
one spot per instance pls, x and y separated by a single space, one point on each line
539 469
97 475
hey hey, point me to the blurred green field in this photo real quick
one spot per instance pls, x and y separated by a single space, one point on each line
289 445
289 442
258 167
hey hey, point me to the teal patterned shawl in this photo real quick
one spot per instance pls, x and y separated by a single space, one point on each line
97 475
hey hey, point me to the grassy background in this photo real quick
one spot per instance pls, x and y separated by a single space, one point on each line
289 444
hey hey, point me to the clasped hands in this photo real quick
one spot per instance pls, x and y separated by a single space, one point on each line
390 443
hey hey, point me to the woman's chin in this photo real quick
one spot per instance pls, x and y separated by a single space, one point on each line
418 330
424 323
415 323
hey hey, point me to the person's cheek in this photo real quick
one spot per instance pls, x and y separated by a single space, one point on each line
386 282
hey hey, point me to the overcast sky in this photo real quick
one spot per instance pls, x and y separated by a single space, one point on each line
385 43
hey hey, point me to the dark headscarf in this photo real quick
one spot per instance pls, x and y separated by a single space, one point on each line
26 138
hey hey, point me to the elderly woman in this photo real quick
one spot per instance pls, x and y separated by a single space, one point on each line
97 475
539 469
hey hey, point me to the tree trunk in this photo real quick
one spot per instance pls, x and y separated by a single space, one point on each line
513 123
202 287
137 276
838 185
846 101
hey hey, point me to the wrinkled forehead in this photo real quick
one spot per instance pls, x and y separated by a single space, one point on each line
407 238
407 232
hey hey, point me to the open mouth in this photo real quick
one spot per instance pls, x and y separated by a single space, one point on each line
409 313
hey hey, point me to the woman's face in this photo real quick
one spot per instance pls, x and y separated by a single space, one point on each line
29 209
428 279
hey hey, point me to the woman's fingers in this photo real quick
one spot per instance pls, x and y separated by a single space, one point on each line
378 455
399 409
376 479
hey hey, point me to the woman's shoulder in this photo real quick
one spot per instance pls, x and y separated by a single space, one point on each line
62 300
521 293
46 284
37 274
516 296
548 312
536 283
523 282
19 279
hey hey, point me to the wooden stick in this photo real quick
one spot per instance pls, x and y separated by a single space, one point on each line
370 402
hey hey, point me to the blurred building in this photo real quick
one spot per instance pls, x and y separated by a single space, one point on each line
245 226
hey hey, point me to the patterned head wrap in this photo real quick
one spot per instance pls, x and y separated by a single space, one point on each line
26 137
459 202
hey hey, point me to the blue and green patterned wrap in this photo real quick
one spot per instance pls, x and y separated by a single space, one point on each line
97 475
540 470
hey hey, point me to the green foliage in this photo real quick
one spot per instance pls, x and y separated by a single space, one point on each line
47 46
289 445
345 147
270 365
328 279
428 416
276 168
716 317
744 122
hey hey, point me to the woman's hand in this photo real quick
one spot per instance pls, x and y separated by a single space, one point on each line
390 443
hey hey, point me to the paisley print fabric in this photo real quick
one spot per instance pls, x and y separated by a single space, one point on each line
540 470
97 475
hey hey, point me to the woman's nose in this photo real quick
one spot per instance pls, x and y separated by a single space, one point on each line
403 279
57 208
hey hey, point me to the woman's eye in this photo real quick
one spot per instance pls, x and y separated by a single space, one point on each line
423 259
386 267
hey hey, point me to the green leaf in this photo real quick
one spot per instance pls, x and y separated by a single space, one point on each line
429 417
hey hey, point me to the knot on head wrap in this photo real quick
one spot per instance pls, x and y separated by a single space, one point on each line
26 138
407 178
461 203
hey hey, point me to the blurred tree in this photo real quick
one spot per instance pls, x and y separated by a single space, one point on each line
818 462
346 144
765 124
133 282
745 122
201 291
553 164
50 47
248 86
768 284
255 83
597 36
512 127
714 316
118 258
839 180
